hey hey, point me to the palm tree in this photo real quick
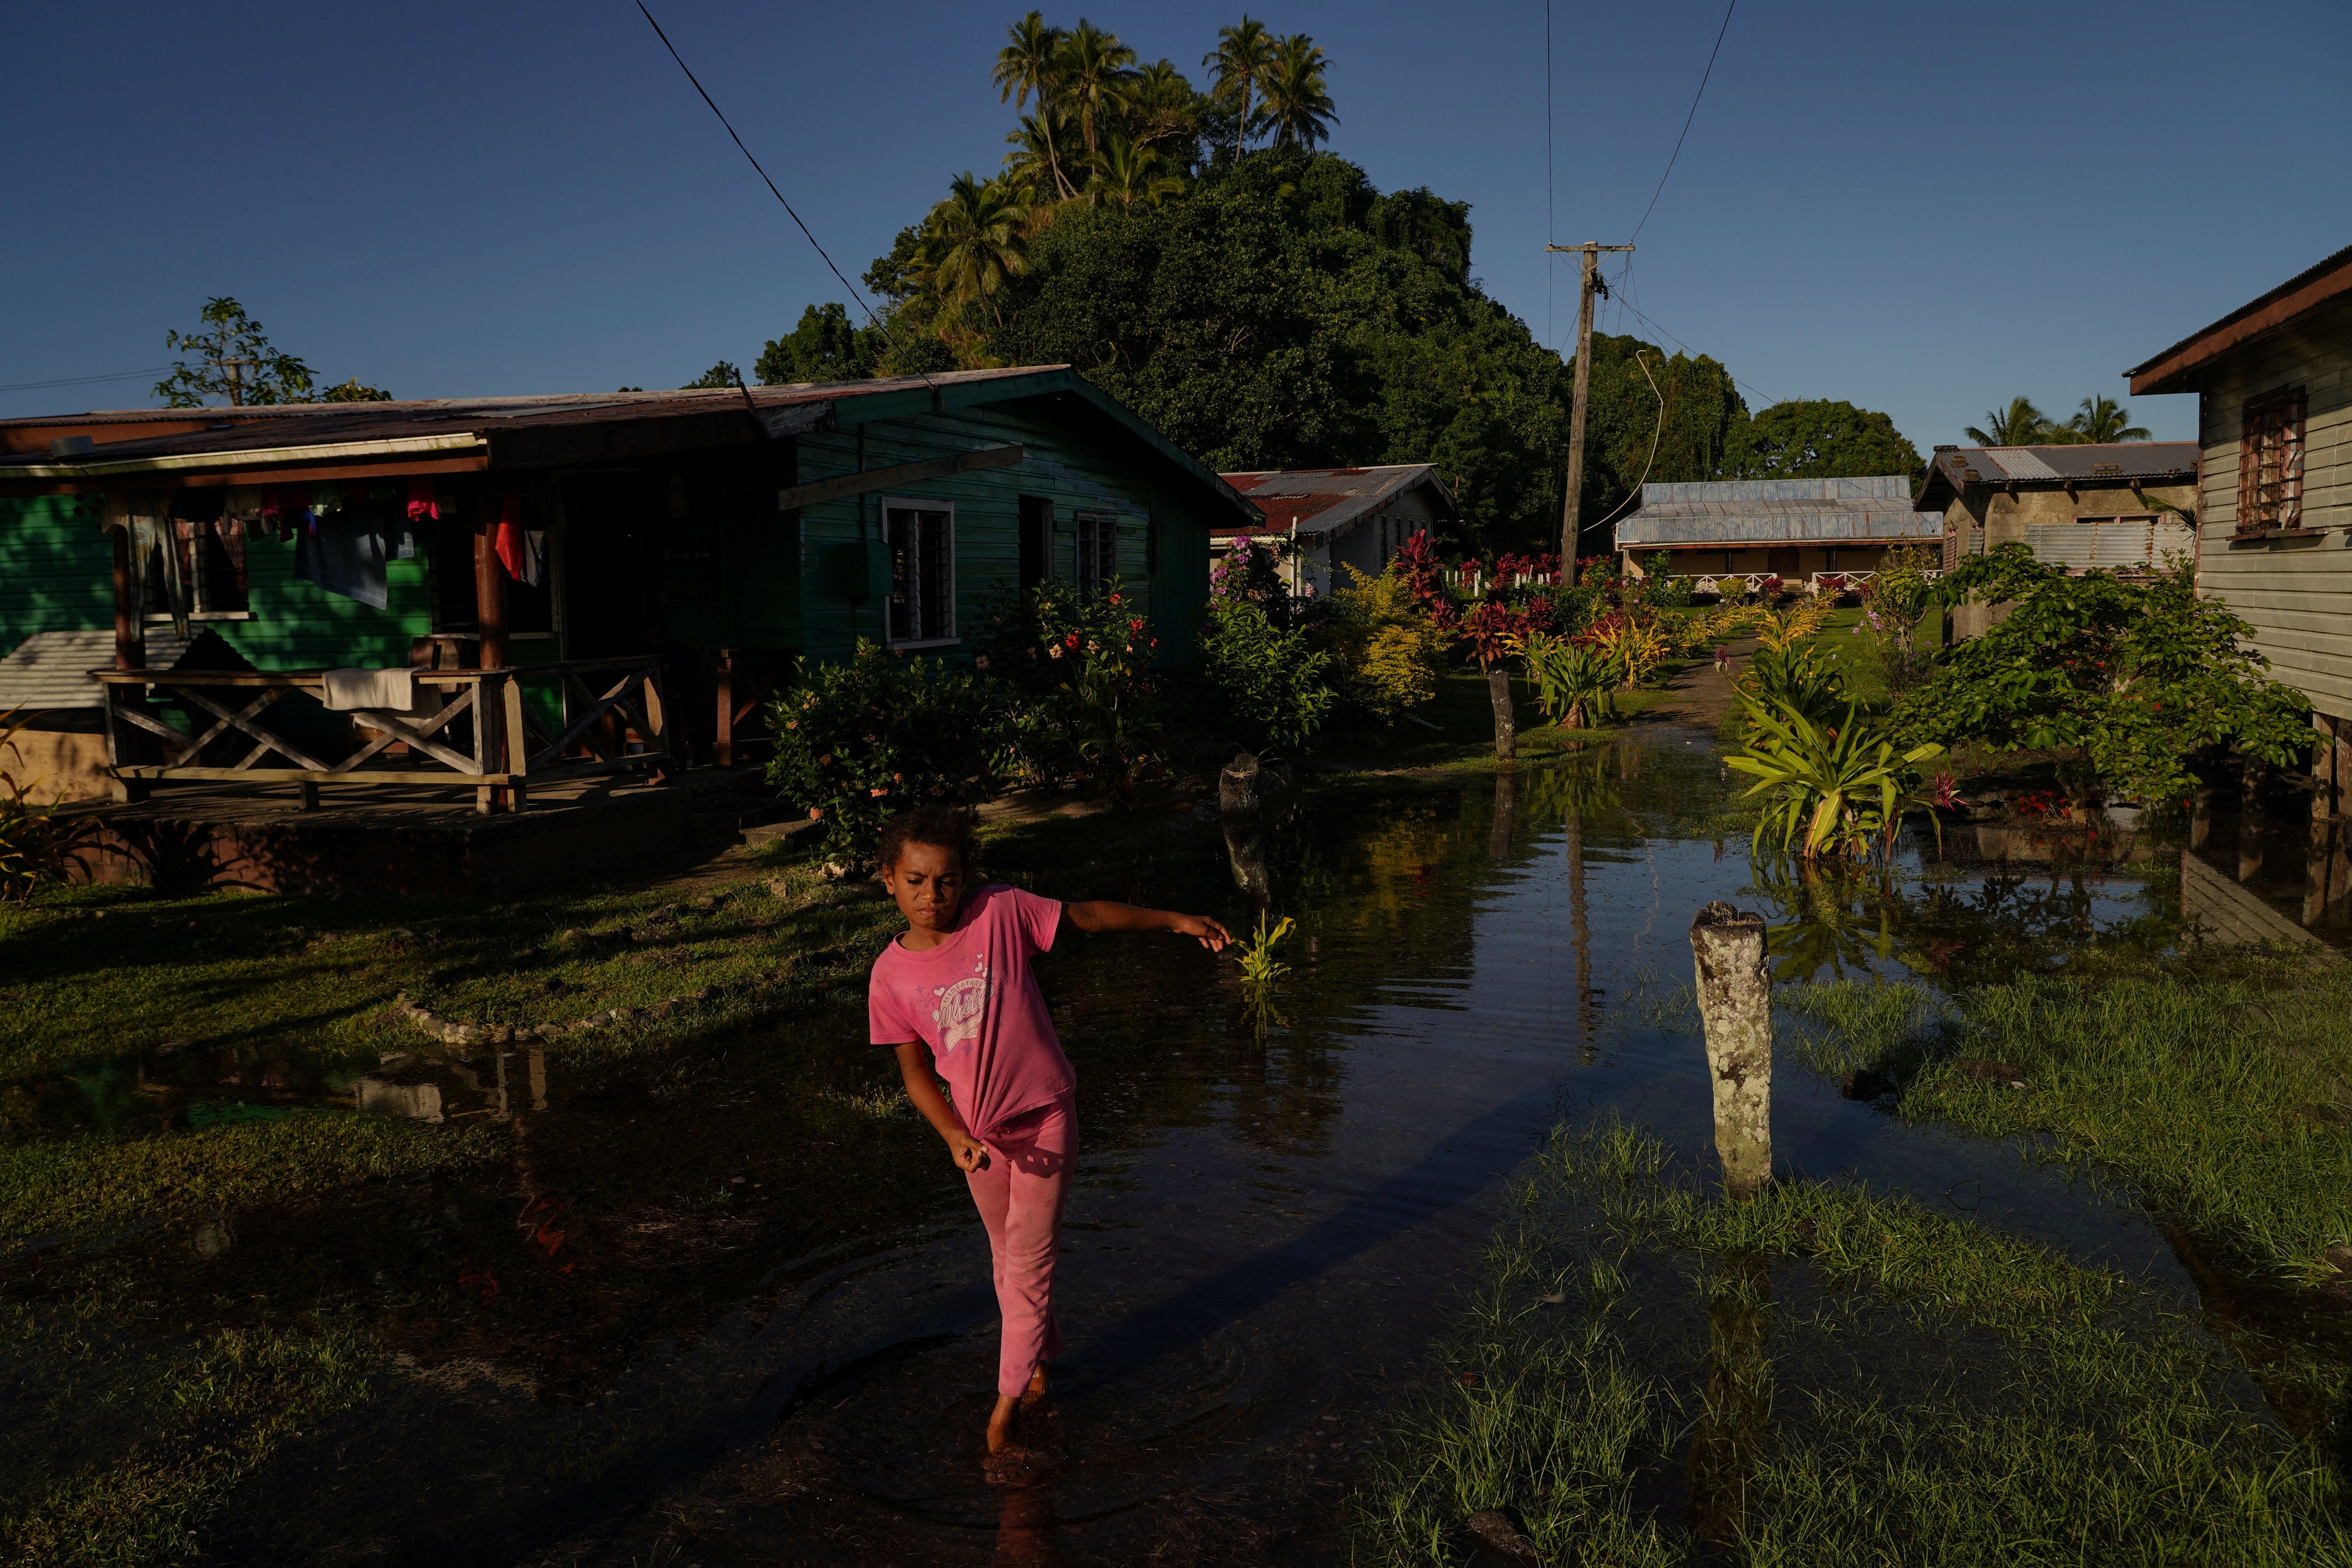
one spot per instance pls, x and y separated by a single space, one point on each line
1297 109
1032 167
1164 103
1128 172
1029 63
1244 52
1098 76
2103 419
973 241
2019 425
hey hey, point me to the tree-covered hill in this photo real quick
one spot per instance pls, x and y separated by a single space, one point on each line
1269 307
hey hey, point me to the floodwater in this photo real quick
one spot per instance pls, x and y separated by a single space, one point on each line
715 1296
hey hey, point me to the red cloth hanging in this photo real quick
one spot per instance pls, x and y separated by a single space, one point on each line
421 504
508 539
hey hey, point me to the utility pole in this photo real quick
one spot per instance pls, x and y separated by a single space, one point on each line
1574 501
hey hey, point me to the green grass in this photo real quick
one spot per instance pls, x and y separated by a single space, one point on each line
89 1186
100 972
2222 1102
127 1446
1835 1377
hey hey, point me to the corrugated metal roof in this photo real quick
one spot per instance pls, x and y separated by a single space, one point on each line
1777 511
50 670
2080 462
1334 498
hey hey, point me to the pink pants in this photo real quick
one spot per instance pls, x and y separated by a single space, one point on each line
1019 1196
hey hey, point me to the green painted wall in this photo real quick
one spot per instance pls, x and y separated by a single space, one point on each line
1078 468
55 569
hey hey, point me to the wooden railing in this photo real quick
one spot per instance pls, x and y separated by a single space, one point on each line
484 735
1753 581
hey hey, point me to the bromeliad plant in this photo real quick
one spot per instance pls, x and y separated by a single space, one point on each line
1832 792
1576 683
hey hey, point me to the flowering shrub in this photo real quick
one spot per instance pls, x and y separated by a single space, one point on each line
858 741
1089 708
1388 651
2132 679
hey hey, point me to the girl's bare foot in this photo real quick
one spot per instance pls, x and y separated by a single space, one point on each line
1036 1393
999 1424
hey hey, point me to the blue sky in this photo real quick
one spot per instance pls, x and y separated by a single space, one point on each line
1922 209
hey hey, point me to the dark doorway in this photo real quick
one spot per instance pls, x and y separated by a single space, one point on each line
1036 541
611 572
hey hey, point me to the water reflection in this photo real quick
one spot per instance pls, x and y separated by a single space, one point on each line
729 1272
1735 1424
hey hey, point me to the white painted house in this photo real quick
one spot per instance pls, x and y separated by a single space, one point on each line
1335 517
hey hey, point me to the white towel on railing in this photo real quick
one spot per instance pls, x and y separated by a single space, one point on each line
382 691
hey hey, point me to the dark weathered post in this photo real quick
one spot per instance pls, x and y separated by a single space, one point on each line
1506 719
1240 801
1734 1000
1237 789
1506 815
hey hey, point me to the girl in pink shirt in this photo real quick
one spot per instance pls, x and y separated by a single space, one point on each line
958 981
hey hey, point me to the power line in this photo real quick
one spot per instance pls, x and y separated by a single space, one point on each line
1686 119
83 380
1767 397
1552 228
755 163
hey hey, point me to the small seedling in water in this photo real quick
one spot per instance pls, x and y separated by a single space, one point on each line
1259 967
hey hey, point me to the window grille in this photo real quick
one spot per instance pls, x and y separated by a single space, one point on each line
922 574
1098 553
2270 462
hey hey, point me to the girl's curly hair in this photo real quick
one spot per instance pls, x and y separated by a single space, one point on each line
942 826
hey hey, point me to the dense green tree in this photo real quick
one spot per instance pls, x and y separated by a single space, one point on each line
352 391
825 346
2019 425
723 374
1819 438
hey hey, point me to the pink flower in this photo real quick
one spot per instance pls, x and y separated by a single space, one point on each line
815 814
825 760
877 793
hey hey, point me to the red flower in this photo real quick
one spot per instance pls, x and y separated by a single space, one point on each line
1070 641
815 813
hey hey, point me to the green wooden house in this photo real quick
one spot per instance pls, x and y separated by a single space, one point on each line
720 531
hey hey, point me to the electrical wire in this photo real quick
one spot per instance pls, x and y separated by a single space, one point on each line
1552 228
1686 119
82 380
1654 435
699 88
1759 392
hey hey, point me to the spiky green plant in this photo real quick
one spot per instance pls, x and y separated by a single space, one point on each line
1832 791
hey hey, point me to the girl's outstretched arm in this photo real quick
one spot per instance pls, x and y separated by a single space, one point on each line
1096 915
968 1152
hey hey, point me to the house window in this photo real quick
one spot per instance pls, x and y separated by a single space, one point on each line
1098 553
2270 462
921 539
1829 558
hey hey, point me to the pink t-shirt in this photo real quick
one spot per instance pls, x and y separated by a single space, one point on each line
974 1002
